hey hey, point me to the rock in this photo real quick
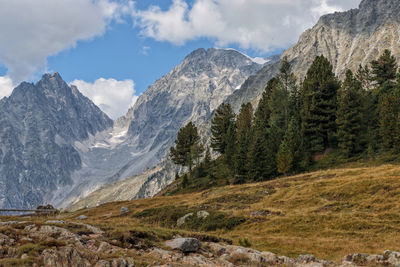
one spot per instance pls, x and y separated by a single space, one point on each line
270 258
5 240
82 217
394 259
306 258
46 231
94 230
286 261
358 258
375 259
24 256
185 244
202 214
124 210
104 246
65 256
216 248
102 263
183 219
55 222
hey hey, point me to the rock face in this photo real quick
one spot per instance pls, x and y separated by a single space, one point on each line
39 124
349 38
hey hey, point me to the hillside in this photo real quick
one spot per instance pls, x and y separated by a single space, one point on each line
329 214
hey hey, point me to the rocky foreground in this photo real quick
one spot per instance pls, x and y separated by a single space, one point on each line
62 243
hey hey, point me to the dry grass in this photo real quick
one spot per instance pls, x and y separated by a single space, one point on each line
328 213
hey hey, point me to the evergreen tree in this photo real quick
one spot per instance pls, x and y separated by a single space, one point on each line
244 123
187 146
384 69
389 108
349 117
290 152
364 75
263 112
318 96
223 119
285 158
230 149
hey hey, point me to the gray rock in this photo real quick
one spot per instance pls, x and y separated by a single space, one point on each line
181 221
306 258
394 259
124 210
55 222
184 244
82 217
202 214
39 126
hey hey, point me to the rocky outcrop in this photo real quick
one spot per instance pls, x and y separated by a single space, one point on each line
184 244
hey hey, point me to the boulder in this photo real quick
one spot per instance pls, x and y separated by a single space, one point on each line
306 258
181 221
394 259
104 247
184 244
82 217
202 214
124 210
65 256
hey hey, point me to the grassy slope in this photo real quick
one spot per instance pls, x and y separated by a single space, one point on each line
327 213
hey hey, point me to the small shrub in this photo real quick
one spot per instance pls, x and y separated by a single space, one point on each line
245 242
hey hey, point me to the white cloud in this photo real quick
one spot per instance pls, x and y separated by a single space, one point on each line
111 96
252 24
30 31
6 86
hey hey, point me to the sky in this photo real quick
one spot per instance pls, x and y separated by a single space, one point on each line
114 49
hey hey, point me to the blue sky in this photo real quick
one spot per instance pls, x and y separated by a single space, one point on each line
114 49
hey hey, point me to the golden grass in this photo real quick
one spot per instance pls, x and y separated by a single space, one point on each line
328 213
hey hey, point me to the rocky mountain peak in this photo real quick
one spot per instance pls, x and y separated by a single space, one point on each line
39 125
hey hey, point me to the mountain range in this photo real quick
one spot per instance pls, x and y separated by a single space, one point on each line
58 147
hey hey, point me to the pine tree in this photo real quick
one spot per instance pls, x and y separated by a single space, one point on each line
290 154
285 158
389 108
349 117
364 75
384 69
186 143
244 123
318 96
223 119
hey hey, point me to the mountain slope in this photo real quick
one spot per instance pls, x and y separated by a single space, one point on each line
139 140
39 124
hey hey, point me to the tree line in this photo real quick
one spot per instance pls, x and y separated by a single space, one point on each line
296 124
